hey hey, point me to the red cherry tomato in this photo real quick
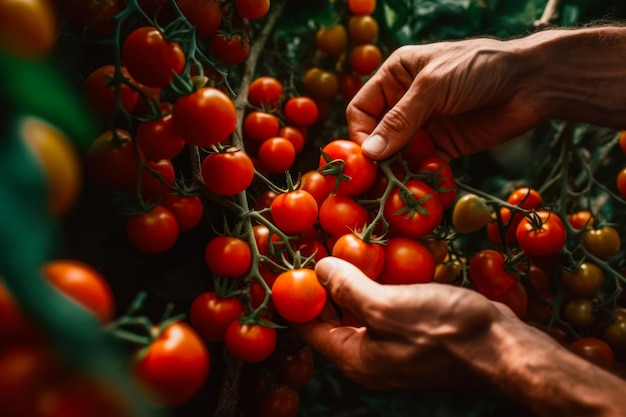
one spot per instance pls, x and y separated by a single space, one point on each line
153 231
407 261
250 342
211 315
369 257
298 296
228 256
358 173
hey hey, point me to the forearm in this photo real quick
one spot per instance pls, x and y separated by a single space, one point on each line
577 75
531 367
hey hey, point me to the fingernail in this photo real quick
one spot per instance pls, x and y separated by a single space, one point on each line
374 145
324 268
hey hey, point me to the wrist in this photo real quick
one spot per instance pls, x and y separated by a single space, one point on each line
575 74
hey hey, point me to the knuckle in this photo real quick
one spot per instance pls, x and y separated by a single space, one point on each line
396 120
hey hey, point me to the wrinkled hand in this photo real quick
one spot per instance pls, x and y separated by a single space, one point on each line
411 333
468 95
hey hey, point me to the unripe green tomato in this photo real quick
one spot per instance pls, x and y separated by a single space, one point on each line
470 214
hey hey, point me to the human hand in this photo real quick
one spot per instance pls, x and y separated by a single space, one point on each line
412 334
468 95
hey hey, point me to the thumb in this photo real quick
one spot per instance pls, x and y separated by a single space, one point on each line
347 285
398 126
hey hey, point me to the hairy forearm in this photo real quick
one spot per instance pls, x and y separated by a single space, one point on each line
577 75
531 367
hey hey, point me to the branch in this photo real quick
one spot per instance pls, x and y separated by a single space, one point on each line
549 15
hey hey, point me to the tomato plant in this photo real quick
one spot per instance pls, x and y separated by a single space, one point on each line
416 214
541 234
174 366
298 296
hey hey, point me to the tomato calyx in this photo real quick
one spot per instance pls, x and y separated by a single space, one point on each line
334 167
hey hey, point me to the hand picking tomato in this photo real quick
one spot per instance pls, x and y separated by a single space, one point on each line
298 296
174 366
358 172
369 257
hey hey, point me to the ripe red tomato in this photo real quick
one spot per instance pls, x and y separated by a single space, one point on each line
250 342
228 256
100 94
153 231
231 50
211 315
293 135
252 9
361 7
261 237
489 276
152 187
111 160
277 155
294 211
420 216
301 111
358 173
580 219
441 179
151 59
332 40
158 139
280 401
602 242
259 126
595 351
298 368
407 261
174 366
340 214
187 209
265 91
526 198
204 15
369 257
315 184
365 58
204 117
298 296
83 284
227 173
509 227
547 239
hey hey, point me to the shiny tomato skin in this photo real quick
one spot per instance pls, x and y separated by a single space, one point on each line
252 9
153 231
250 342
231 50
228 173
365 58
441 179
277 155
298 295
548 239
407 261
360 169
112 162
417 224
158 139
294 211
228 256
211 315
369 257
204 15
174 366
100 95
315 184
362 29
205 117
301 111
83 284
580 219
361 7
187 209
294 135
150 58
489 276
152 187
602 242
525 197
340 214
259 126
595 351
584 281
265 91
